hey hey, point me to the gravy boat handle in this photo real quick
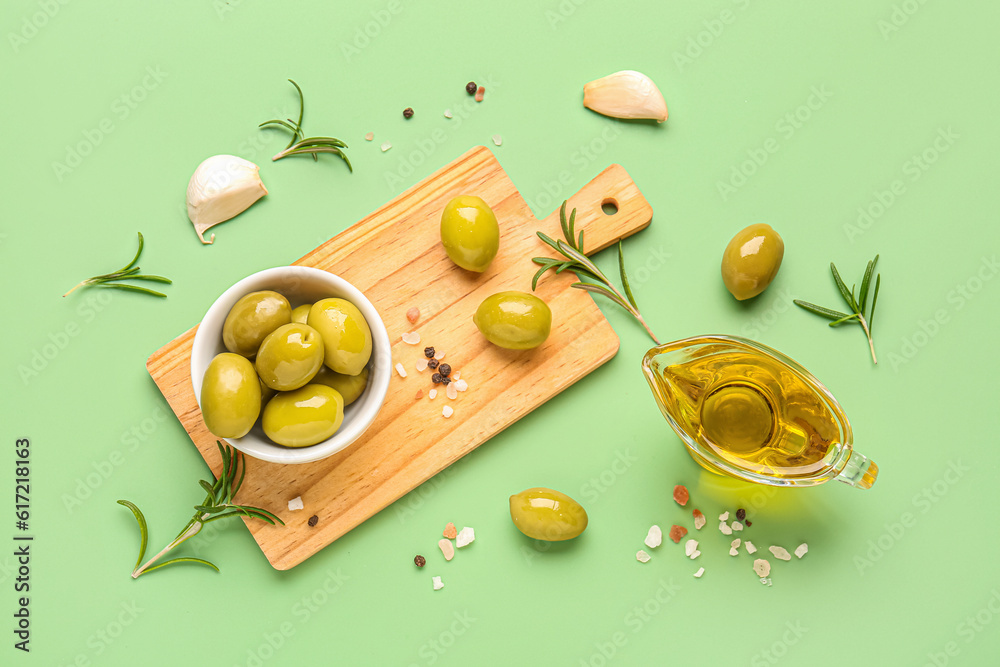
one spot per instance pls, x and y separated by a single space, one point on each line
860 472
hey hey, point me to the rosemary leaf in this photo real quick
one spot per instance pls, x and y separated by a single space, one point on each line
865 283
842 287
843 319
185 559
143 530
132 288
871 315
820 310
621 269
129 271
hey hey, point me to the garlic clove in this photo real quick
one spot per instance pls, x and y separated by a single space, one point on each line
222 187
625 94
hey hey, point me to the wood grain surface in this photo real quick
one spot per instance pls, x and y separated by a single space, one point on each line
395 257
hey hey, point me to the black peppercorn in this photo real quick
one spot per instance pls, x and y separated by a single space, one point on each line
741 514
471 88
445 370
437 378
429 352
313 520
445 379
407 112
749 523
419 561
433 363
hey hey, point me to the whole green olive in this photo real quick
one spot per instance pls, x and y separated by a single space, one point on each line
347 339
290 356
303 417
751 261
544 514
230 396
266 394
349 386
252 318
301 313
470 233
514 320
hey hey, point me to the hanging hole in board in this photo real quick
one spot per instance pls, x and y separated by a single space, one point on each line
609 206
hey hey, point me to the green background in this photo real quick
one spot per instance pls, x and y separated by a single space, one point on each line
900 91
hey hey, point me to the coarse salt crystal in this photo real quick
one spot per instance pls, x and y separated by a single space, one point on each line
766 581
439 356
447 548
466 536
733 551
369 136
420 394
451 391
437 583
447 113
802 550
642 556
450 531
681 495
735 543
401 370
432 394
456 375
695 555
737 526
411 337
480 92
780 553
690 547
751 549
725 529
386 146
295 504
677 532
761 567
421 364
654 537
701 571
413 314
497 139
447 412
699 520
724 516
460 385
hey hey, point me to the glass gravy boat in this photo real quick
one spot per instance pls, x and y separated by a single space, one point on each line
749 412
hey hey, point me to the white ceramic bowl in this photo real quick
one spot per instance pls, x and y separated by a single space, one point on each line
299 284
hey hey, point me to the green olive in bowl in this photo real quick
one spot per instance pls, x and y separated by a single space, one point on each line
470 233
230 396
252 318
290 357
751 261
514 320
349 386
347 339
300 314
303 417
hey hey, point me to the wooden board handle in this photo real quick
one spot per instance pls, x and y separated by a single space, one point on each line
612 186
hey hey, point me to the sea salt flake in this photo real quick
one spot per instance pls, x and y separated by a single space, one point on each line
751 549
724 516
447 548
642 556
737 526
780 553
735 543
295 504
401 370
369 136
733 551
690 547
432 394
437 583
761 567
461 385
455 376
497 139
695 554
654 537
447 412
451 391
439 356
766 581
802 550
386 146
447 113
725 529
466 536
699 520
411 337
701 571
421 364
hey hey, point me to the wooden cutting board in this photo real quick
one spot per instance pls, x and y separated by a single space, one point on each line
395 257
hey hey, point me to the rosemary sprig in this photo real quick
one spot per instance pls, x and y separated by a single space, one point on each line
300 144
218 504
857 305
131 272
578 262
